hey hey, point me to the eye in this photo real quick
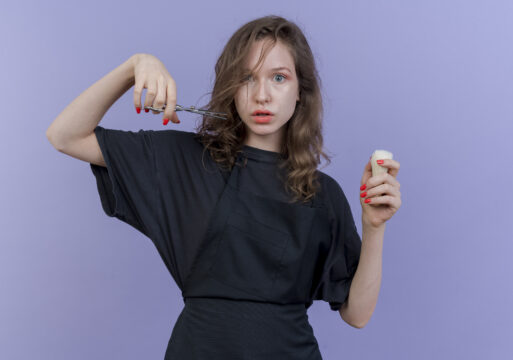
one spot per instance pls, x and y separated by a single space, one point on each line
283 76
247 78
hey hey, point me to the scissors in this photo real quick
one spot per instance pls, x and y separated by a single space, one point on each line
193 110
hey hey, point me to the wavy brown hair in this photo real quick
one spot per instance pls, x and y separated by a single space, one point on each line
302 145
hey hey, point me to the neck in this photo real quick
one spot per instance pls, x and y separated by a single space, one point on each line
271 142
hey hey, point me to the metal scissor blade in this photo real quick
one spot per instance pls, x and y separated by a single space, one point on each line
192 109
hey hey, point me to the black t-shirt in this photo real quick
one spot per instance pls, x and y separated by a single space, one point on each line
163 184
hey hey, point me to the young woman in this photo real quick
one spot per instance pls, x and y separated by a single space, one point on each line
248 227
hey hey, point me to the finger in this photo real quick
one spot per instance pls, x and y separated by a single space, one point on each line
385 200
392 165
390 179
174 118
380 190
151 92
138 88
161 95
169 112
384 178
367 173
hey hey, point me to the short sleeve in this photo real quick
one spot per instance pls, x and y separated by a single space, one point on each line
344 254
127 186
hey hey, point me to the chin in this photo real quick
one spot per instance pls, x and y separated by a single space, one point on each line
261 129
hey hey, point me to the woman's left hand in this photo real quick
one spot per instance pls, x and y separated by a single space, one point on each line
383 193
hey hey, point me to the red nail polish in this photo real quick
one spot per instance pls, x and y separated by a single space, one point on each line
138 110
367 201
165 121
146 110
363 194
380 161
363 187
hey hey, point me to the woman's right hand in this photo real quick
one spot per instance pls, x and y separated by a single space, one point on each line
151 74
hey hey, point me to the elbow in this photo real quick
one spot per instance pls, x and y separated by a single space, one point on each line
52 141
359 326
346 317
355 325
49 137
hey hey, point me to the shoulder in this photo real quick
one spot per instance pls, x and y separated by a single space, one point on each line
329 186
167 135
160 136
178 140
183 148
331 193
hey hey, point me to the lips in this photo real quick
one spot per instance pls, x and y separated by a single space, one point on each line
261 112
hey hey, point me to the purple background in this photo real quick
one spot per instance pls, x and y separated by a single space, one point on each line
430 81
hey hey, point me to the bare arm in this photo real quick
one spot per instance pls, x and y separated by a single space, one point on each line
72 132
364 291
76 123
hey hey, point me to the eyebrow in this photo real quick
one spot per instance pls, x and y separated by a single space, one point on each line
276 69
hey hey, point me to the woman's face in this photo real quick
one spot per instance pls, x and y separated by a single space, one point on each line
274 88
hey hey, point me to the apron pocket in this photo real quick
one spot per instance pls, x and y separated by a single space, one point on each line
249 255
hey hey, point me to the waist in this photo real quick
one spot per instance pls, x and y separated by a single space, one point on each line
246 308
250 326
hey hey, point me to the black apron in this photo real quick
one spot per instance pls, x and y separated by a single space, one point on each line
246 291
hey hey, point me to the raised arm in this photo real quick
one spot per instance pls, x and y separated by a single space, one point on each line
72 132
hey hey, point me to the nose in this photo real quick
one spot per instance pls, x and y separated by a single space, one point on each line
262 93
